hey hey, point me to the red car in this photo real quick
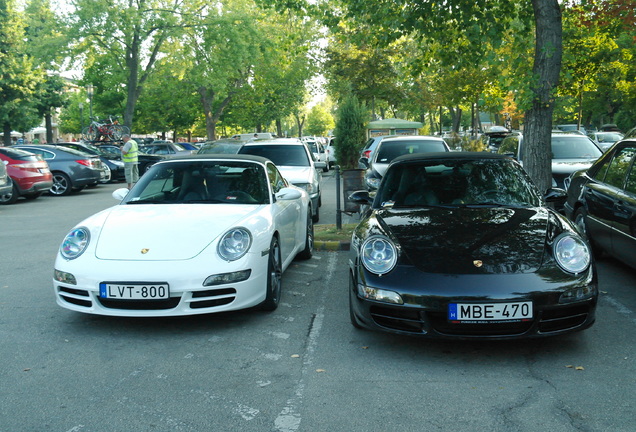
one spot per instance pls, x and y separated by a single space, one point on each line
30 174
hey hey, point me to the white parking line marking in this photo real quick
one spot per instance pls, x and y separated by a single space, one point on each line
289 418
299 272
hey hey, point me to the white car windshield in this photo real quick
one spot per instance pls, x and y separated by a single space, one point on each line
202 182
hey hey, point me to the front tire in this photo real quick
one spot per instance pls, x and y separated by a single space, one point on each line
274 277
307 253
352 315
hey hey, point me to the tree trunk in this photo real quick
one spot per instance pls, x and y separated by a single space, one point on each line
456 118
279 128
300 122
48 123
211 117
537 153
6 129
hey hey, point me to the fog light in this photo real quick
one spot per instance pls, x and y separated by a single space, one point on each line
379 295
64 277
577 294
227 278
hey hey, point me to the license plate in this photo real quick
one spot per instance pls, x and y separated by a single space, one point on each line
489 312
134 291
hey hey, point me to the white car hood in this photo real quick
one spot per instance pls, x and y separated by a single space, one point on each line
296 174
141 232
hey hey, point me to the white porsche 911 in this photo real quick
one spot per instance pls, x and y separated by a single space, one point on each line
195 235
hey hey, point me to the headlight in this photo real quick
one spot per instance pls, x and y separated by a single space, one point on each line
234 244
571 253
309 187
379 255
75 243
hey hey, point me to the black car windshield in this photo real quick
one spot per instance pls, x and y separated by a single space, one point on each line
389 150
281 155
206 182
457 183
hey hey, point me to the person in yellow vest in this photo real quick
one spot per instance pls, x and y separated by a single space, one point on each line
129 153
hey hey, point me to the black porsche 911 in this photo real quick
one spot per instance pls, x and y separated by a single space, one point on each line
463 245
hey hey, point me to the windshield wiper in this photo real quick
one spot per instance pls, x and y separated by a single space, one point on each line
146 202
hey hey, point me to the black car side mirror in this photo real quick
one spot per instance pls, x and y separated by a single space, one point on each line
555 195
361 197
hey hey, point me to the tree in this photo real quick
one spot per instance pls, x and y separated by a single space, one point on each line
167 104
319 121
128 35
537 151
481 25
18 75
218 58
278 87
350 131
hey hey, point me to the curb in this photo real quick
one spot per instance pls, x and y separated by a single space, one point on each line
331 246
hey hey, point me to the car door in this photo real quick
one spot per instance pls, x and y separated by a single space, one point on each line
285 213
624 210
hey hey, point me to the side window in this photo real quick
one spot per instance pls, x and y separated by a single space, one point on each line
630 186
275 179
619 166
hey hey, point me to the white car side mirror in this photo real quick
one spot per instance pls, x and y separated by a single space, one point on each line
120 194
288 194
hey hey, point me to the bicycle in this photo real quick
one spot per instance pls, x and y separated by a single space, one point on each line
105 130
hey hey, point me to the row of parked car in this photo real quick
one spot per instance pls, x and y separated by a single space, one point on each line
61 168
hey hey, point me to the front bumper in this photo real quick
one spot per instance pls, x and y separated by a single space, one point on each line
427 298
188 296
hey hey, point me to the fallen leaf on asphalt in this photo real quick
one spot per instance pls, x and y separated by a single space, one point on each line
569 366
579 368
320 370
365 347
295 356
27 369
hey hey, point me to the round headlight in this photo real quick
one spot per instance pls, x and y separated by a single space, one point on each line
379 255
75 243
571 253
234 244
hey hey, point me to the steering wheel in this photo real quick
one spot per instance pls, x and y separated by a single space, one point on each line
241 197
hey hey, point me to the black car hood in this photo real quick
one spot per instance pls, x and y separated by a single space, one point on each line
469 240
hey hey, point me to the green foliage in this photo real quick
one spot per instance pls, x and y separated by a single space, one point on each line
19 77
166 104
473 145
350 132
509 145
319 121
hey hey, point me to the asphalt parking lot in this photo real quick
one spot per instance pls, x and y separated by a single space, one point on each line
302 367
